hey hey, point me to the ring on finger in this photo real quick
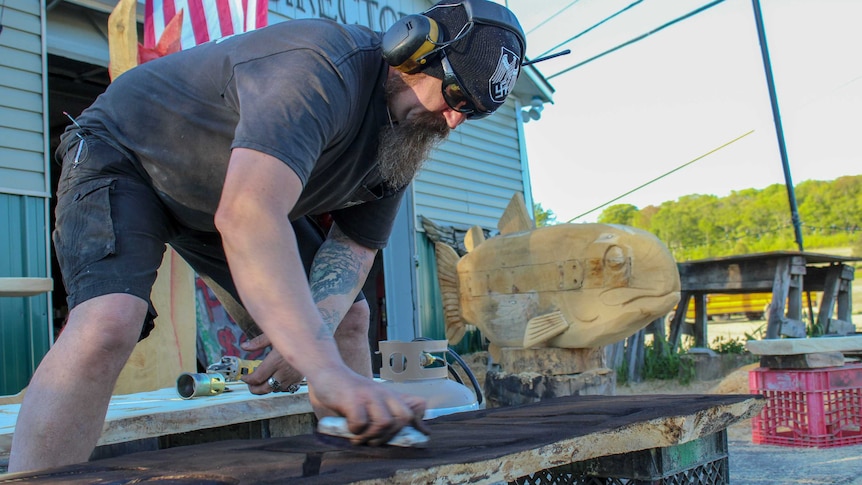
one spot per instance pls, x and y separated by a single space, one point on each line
274 384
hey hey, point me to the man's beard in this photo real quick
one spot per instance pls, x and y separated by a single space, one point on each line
405 146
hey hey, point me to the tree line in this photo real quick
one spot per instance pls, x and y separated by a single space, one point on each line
748 221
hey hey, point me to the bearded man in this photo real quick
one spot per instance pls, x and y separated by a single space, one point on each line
227 151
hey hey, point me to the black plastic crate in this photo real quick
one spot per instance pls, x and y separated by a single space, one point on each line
699 462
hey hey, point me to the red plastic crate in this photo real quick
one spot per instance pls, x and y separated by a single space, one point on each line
808 408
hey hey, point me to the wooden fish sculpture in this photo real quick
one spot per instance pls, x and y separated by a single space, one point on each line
565 285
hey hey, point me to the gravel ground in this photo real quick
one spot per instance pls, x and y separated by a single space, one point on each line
754 464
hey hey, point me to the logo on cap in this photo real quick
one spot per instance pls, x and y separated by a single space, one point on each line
504 77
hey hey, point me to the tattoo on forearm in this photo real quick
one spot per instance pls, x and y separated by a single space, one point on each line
335 270
331 319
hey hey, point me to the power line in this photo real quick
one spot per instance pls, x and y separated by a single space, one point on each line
662 176
551 17
638 38
592 27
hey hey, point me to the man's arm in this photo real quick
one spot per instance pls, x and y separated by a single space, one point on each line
337 274
260 245
340 268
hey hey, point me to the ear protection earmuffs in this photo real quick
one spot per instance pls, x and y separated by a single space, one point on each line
407 44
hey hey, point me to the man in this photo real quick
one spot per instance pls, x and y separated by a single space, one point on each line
211 150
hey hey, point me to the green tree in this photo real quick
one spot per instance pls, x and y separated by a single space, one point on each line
624 214
542 216
752 220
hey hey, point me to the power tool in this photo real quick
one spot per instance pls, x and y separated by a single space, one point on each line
214 381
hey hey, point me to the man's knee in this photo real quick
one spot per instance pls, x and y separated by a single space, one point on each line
109 323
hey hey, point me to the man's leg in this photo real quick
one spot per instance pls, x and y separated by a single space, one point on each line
64 409
352 338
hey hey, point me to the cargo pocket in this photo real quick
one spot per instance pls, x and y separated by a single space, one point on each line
84 231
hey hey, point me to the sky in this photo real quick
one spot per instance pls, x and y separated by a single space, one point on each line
646 109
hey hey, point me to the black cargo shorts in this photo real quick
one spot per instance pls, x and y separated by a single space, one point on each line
111 228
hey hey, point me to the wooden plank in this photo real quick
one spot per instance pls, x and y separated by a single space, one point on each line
679 319
169 351
742 276
816 360
792 328
480 447
25 286
815 279
793 346
780 290
158 413
122 38
827 301
700 332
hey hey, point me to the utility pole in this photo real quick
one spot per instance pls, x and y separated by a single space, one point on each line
776 117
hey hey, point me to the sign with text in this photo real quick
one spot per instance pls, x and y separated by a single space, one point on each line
375 14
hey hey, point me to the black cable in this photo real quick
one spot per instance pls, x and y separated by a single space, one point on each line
592 27
551 17
661 176
455 374
638 38
469 374
464 367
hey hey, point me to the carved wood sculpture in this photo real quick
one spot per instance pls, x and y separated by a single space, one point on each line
566 285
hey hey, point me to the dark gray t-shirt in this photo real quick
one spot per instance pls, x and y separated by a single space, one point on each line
308 92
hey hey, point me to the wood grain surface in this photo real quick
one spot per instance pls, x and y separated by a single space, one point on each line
485 446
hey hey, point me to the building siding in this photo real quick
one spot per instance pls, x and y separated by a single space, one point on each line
22 147
25 323
471 177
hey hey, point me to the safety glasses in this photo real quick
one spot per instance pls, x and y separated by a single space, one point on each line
457 96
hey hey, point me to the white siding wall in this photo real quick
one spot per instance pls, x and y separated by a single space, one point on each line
22 125
472 176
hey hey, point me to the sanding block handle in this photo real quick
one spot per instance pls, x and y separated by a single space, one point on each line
408 437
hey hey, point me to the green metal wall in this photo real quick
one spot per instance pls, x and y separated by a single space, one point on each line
431 317
430 301
25 334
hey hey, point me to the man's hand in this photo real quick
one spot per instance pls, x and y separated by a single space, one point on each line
273 365
374 411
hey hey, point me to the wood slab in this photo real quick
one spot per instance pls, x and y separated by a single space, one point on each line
14 287
791 346
158 360
817 360
485 446
550 361
162 412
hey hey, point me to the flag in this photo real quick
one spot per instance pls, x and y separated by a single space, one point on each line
202 20
196 22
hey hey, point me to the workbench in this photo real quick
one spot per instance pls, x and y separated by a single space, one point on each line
785 274
144 419
535 443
